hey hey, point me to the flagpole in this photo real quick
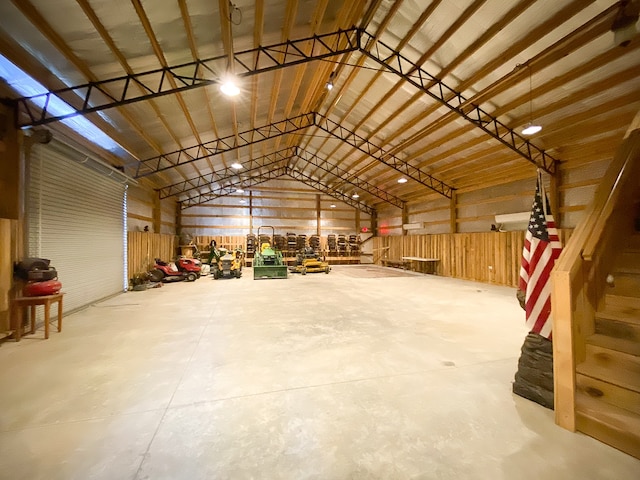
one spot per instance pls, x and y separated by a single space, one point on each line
543 194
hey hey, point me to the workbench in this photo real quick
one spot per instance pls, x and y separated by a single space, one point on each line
423 265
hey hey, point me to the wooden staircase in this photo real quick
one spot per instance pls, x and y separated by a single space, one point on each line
608 380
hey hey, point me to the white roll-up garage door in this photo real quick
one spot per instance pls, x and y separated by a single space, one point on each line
76 218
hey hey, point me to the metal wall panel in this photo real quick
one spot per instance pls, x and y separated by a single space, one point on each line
76 218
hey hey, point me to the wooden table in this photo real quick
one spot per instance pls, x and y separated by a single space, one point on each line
19 303
431 263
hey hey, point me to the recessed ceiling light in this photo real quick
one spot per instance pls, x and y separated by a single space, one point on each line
530 129
236 165
402 180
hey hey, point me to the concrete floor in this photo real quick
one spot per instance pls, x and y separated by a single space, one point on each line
365 373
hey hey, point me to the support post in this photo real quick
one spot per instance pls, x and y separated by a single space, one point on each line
318 215
250 211
179 218
157 214
405 217
453 214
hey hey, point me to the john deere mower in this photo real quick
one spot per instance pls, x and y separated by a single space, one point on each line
308 261
225 263
268 261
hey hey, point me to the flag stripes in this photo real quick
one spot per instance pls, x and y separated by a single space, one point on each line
541 249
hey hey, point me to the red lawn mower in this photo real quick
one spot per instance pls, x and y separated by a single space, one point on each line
184 269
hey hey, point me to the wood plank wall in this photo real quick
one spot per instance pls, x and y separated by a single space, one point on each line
466 256
145 247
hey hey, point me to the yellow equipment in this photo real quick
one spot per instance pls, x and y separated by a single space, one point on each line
308 261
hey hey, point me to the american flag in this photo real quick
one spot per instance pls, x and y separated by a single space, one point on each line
541 249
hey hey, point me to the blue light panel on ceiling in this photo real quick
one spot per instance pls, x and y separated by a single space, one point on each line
26 86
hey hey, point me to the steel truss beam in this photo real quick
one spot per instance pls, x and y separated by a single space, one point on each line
226 173
324 188
231 187
324 164
187 155
115 92
382 156
393 61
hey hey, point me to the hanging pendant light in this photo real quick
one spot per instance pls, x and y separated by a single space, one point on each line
531 127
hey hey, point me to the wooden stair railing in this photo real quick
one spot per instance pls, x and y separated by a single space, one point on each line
579 277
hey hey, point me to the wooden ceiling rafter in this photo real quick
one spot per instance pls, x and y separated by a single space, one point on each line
157 50
290 16
199 199
355 70
510 16
25 61
213 177
300 70
109 42
188 27
227 42
469 11
32 14
553 53
258 30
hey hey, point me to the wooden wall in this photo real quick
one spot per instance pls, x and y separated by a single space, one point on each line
145 210
287 205
145 247
488 257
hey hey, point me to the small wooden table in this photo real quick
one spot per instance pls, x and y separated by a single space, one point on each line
19 303
431 264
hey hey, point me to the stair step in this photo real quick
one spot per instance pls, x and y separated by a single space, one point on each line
632 242
632 347
623 301
618 368
607 423
619 313
609 393
625 284
628 261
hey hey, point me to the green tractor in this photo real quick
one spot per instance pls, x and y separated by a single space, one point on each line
268 261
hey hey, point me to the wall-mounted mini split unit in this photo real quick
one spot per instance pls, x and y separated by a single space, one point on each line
413 226
513 221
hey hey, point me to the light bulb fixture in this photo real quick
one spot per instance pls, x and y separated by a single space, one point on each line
355 195
242 200
236 165
402 180
531 127
329 84
333 205
229 86
239 190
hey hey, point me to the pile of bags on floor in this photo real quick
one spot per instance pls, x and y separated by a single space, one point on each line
42 279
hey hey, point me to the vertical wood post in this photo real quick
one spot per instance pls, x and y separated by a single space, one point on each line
357 221
374 223
554 196
318 215
157 213
179 218
453 215
250 211
405 217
